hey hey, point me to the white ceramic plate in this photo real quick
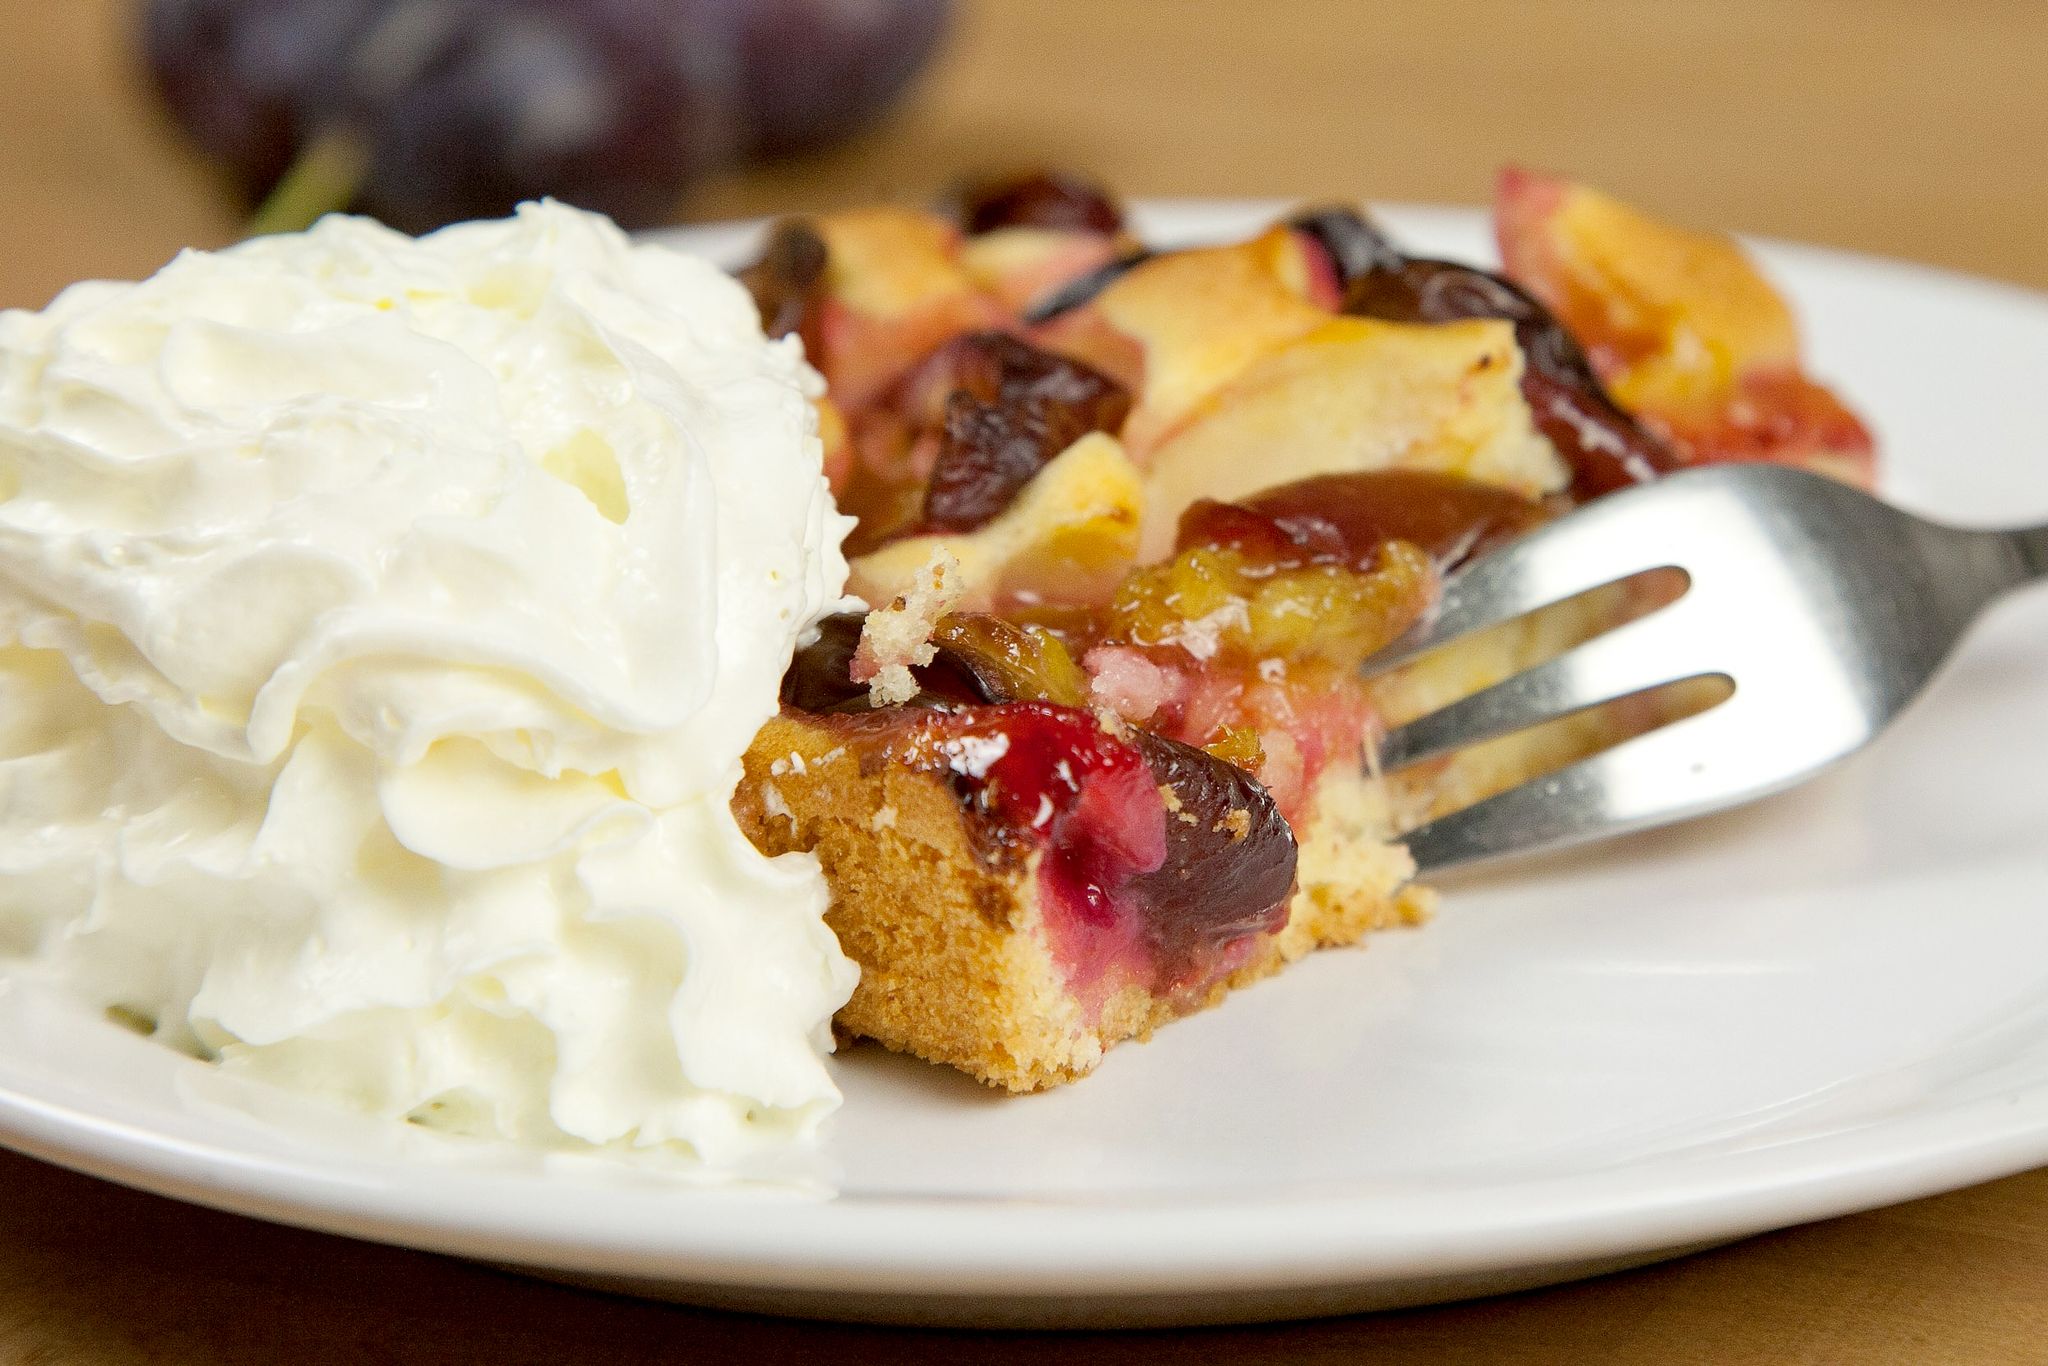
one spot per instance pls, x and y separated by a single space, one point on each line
1826 1002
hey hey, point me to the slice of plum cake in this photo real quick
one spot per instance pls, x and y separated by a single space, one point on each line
1134 522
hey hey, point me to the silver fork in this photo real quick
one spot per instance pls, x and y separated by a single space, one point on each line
1827 610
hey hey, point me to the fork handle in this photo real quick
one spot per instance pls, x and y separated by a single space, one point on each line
2032 545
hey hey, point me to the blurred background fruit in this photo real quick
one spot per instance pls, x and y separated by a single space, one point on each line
239 74
816 71
424 112
1905 132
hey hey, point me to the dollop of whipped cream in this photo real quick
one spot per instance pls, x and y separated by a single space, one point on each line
381 626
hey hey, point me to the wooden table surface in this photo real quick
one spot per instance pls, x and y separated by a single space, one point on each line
1886 125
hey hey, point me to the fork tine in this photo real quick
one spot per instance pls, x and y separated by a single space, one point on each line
1618 537
1684 769
1648 652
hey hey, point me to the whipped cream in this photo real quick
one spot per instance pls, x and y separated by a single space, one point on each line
381 626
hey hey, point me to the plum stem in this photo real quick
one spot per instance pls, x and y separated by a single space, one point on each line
322 179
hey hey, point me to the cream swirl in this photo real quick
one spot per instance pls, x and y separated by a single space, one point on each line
381 626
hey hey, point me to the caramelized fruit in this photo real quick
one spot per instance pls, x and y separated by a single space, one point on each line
1151 846
1082 288
1008 662
1229 862
1011 409
1681 326
1040 199
1346 519
788 282
820 674
1156 857
1607 448
977 658
1213 600
1354 246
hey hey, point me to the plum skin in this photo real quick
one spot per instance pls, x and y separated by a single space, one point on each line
458 109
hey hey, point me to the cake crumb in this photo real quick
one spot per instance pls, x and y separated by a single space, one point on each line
1172 801
896 638
1112 724
883 819
773 806
1415 904
1202 637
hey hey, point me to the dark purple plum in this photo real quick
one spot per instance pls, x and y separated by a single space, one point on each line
249 79
1230 856
1348 519
788 282
1039 199
1083 288
1011 408
1356 246
1089 798
458 109
470 106
820 674
816 71
1606 447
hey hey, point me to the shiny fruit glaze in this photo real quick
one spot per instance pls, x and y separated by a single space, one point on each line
1247 642
1135 889
1777 415
1158 865
1010 408
1605 446
1681 326
1347 519
788 281
951 444
1040 199
1230 669
1225 604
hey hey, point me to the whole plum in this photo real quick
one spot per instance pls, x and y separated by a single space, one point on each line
471 106
249 79
817 71
424 112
